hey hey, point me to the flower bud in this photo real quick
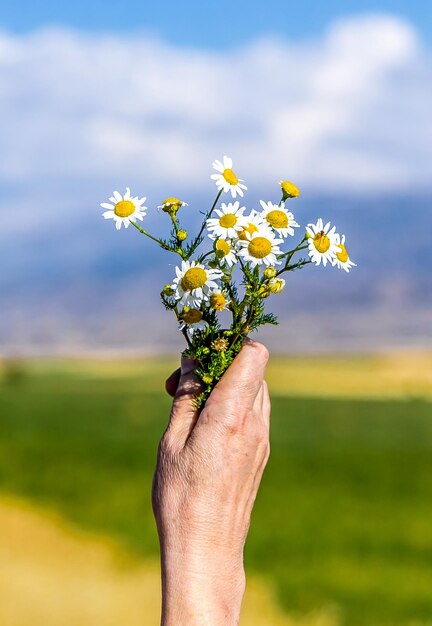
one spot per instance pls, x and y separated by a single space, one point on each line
171 205
289 190
276 285
207 379
168 290
182 235
220 344
270 272
264 291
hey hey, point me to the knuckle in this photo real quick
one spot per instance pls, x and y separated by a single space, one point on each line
262 352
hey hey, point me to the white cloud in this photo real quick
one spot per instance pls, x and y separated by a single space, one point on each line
346 111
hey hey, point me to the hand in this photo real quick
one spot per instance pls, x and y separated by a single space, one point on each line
207 476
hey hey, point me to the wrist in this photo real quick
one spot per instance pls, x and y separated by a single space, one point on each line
201 586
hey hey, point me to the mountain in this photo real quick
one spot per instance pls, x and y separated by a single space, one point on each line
77 284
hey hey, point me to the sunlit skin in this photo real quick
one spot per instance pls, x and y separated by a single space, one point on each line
208 472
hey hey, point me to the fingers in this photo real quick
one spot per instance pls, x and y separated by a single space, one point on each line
172 382
242 381
183 412
266 406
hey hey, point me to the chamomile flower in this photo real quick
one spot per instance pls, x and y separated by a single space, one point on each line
226 179
252 223
218 301
124 209
278 218
342 259
228 222
225 251
194 283
322 242
262 247
192 320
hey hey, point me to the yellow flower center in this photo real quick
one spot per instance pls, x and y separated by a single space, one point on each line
277 219
223 246
124 208
260 247
321 242
228 220
289 189
194 278
343 254
249 229
193 316
217 301
230 177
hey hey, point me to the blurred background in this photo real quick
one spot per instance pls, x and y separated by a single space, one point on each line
96 96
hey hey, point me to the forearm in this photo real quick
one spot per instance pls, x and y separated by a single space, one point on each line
201 589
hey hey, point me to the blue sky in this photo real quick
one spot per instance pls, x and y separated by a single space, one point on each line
205 24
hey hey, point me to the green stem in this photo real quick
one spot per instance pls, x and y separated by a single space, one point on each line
144 232
198 237
295 266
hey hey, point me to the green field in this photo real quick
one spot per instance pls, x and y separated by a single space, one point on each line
344 515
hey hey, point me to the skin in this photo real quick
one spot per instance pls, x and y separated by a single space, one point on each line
208 472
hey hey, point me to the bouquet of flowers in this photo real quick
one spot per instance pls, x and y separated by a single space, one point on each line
241 267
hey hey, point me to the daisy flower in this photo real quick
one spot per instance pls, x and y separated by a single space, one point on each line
194 283
226 179
124 209
277 216
323 243
192 320
225 251
252 223
228 221
218 301
262 247
342 259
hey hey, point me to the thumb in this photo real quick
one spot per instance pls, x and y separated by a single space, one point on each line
184 413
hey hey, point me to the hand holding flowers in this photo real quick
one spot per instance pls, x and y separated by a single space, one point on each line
246 249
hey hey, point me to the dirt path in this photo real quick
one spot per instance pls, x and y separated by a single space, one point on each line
52 575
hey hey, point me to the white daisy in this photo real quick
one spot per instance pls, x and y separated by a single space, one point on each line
124 209
225 251
262 247
342 259
229 221
322 242
278 218
194 283
227 179
192 320
252 223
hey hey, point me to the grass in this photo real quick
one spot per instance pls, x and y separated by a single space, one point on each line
344 514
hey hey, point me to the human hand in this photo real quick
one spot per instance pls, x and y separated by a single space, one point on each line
208 471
